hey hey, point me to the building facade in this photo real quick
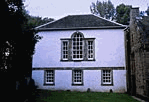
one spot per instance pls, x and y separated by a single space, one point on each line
80 52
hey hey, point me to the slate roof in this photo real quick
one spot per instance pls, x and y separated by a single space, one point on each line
88 21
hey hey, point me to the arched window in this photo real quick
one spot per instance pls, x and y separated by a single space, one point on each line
77 46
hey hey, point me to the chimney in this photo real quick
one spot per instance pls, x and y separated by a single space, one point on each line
134 12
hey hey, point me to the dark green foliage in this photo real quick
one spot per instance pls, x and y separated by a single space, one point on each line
123 14
20 39
147 11
142 13
104 9
36 21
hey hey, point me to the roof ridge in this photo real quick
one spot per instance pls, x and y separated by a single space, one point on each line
79 15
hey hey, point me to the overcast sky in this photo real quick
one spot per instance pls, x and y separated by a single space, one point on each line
60 8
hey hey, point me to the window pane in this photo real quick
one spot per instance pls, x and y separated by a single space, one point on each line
49 76
77 76
65 50
90 49
77 46
106 76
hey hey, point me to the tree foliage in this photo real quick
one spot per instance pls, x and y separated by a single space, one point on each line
34 21
147 11
142 13
104 9
123 14
19 40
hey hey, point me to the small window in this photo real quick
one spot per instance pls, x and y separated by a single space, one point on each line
49 77
90 50
65 50
106 76
77 77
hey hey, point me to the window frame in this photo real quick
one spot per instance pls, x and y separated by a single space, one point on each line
62 41
93 49
83 52
78 46
45 78
111 78
73 76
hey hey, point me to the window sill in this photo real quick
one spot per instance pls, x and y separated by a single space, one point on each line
48 84
76 60
77 84
107 85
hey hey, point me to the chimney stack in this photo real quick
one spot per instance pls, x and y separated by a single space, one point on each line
134 12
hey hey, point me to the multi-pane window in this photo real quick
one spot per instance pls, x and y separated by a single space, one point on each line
77 43
106 77
49 78
90 50
65 50
77 48
77 77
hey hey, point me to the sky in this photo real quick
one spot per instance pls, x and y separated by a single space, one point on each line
59 8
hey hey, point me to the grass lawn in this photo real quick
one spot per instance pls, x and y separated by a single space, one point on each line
64 96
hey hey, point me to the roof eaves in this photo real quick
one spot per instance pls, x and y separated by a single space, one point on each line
127 27
81 28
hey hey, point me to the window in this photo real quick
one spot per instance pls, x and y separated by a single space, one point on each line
77 77
77 43
77 48
106 77
49 77
65 50
90 50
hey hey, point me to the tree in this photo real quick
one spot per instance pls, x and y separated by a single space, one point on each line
34 21
123 14
142 13
103 9
19 41
147 11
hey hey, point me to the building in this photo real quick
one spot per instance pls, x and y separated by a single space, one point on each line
80 53
137 54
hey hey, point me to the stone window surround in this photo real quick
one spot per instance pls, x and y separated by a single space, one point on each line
107 84
77 84
66 58
85 52
45 73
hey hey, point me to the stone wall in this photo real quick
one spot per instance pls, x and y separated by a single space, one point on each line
139 57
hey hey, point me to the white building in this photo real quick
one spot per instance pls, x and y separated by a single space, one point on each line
78 52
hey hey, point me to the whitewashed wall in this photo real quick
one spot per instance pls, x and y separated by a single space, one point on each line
91 79
109 49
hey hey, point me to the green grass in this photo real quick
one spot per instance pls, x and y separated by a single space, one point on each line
64 96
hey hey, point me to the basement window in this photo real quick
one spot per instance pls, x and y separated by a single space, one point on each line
107 77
